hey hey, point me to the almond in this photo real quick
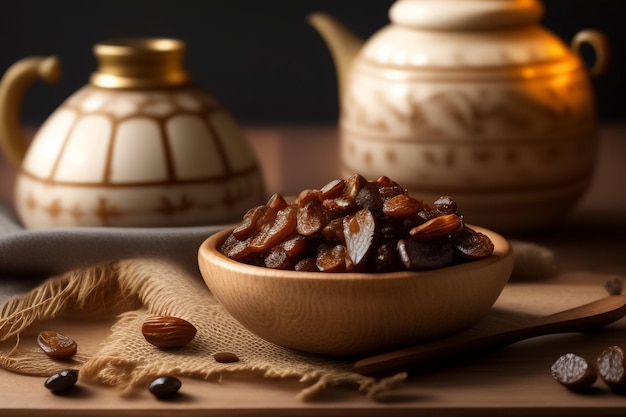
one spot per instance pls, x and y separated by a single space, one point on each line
168 331
437 227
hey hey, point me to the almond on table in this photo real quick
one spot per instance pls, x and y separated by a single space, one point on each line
168 331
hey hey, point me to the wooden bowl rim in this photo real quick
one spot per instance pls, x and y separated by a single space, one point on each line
210 253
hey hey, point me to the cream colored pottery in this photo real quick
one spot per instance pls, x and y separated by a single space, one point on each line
140 145
473 99
355 313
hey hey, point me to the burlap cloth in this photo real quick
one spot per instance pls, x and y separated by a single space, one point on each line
131 289
139 287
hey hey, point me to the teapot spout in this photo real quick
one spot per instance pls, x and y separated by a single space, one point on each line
343 44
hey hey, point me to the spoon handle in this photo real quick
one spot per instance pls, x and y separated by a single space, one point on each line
593 315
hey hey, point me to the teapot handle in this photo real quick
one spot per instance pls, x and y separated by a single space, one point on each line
16 80
600 44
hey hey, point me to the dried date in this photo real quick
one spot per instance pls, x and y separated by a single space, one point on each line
403 206
416 255
286 254
56 345
306 265
311 218
332 259
168 331
473 245
355 225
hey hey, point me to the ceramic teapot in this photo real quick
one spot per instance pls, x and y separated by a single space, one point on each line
473 99
140 145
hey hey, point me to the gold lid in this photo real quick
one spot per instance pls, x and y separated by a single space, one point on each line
139 63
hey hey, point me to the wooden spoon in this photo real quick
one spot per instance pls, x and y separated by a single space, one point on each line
506 331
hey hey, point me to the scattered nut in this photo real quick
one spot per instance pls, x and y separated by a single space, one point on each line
612 368
62 381
225 357
56 345
613 286
573 372
167 331
164 386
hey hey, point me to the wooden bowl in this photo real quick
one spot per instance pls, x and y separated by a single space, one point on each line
348 314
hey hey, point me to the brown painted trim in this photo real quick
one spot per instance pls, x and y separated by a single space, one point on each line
226 177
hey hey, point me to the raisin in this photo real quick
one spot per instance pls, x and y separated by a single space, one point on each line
388 188
389 229
333 231
332 259
353 186
473 245
271 233
402 206
236 249
307 195
387 258
56 345
338 207
445 205
311 218
285 255
249 223
368 198
332 190
307 265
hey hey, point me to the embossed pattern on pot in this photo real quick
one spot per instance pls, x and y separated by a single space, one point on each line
139 146
118 191
477 101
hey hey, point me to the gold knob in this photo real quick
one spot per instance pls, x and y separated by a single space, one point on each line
140 63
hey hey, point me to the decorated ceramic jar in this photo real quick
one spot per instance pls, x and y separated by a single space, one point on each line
140 145
473 99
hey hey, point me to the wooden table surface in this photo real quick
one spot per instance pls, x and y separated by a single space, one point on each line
590 247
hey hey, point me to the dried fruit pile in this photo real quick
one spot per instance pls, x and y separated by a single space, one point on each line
355 225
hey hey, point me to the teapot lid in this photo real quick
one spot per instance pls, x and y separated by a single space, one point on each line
465 14
468 34
139 63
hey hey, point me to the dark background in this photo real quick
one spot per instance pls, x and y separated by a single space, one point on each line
259 58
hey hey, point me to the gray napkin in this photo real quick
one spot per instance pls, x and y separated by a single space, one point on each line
51 251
